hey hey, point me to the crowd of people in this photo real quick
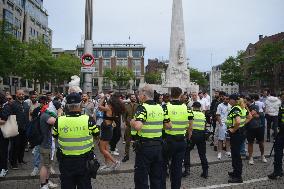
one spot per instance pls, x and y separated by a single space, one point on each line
163 128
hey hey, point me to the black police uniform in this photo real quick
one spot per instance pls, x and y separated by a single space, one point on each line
278 147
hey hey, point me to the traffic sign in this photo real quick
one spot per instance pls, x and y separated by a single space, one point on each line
88 60
88 69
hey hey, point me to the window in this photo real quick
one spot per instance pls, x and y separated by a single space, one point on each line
95 82
22 83
8 16
122 62
106 63
136 67
46 86
15 81
107 53
6 81
136 53
30 84
106 82
17 23
96 54
122 53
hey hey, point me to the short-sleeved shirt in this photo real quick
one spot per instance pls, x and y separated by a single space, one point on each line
45 129
223 111
260 105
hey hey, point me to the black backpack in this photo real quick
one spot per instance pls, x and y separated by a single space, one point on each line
34 134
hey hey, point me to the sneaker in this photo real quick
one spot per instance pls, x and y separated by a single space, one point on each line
51 184
251 162
44 187
115 153
228 154
51 170
219 155
3 173
116 165
105 168
263 159
35 172
274 176
125 159
123 142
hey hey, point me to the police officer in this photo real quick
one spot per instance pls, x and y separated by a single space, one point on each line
148 121
279 145
197 137
179 115
75 142
236 120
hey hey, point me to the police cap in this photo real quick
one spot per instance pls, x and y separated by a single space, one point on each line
234 97
73 98
196 105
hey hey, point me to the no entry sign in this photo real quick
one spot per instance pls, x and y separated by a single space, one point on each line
88 60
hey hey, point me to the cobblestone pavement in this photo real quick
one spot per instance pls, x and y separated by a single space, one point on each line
20 179
254 175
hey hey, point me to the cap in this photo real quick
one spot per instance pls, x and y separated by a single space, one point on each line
196 105
234 97
73 98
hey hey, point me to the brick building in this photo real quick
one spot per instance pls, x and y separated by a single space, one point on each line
112 55
277 82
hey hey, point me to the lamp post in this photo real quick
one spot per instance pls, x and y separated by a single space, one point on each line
88 43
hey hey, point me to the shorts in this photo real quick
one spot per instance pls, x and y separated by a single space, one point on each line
221 132
106 132
45 157
256 133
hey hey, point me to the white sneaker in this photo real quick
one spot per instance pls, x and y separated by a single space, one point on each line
115 153
106 168
51 184
219 155
3 173
251 162
263 159
44 187
35 172
228 154
116 165
116 150
51 170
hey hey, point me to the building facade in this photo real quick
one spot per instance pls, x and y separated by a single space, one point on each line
28 20
108 56
256 86
156 66
217 84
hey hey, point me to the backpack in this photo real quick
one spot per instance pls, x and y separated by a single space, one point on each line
34 134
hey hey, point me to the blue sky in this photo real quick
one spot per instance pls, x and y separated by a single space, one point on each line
220 27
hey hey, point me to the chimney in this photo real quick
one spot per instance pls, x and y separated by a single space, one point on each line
260 37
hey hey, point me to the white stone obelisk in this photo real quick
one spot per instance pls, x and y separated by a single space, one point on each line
177 74
88 43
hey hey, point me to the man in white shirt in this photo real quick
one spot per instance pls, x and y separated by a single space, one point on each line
223 110
204 102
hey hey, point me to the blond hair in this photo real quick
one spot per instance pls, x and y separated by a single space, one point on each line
241 103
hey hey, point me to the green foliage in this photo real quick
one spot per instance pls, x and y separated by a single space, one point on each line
120 76
65 65
153 78
267 56
198 78
11 50
232 70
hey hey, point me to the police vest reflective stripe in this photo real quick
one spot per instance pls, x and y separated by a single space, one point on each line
74 136
152 127
199 121
282 114
179 117
230 122
133 131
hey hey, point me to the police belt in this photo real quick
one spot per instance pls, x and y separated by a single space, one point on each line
147 142
176 138
198 131
81 156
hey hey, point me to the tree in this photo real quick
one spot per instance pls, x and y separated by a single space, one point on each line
120 76
198 78
65 66
11 50
267 57
232 70
153 78
37 63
